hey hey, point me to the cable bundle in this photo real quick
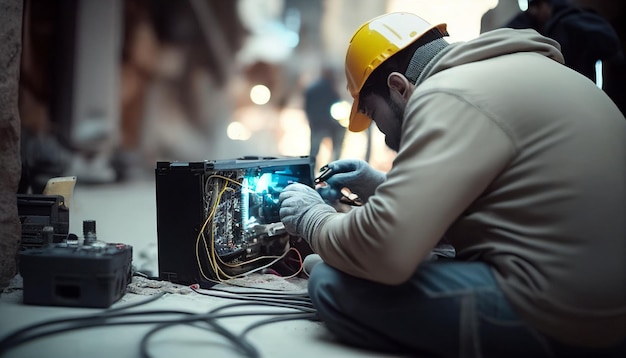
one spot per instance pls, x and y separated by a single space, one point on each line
222 269
297 306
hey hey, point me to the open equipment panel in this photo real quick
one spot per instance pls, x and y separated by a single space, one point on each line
219 219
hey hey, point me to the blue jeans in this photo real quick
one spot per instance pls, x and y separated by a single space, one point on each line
447 309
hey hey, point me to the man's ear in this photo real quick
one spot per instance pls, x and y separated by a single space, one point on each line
400 84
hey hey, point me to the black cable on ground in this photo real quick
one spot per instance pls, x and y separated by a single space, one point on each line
116 316
244 346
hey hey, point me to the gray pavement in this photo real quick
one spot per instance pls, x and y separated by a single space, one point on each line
124 212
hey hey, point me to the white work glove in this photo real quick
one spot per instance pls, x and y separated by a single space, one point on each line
302 209
354 174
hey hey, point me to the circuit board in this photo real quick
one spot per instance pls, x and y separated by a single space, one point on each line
241 208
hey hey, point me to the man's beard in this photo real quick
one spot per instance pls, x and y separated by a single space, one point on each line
393 139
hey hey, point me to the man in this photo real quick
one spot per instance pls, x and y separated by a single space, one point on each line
585 38
516 160
319 97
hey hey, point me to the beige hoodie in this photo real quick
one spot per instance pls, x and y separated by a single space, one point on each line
521 163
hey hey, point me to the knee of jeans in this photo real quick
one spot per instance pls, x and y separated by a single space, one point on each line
321 282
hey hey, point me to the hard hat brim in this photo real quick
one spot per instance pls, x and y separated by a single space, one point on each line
358 120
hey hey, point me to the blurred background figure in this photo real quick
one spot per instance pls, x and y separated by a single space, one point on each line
590 45
319 97
107 88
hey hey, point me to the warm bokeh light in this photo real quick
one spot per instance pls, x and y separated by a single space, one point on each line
341 112
295 132
292 130
462 17
238 131
260 94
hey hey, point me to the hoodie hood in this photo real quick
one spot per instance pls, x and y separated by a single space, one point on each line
489 45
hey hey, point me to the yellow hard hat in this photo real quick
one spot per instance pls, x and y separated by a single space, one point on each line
372 44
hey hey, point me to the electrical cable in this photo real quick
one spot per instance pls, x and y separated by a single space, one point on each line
278 258
26 334
118 316
87 322
201 235
280 305
302 303
264 289
300 296
297 305
239 342
215 262
135 304
80 318
291 317
210 253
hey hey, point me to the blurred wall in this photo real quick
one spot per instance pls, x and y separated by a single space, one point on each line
187 68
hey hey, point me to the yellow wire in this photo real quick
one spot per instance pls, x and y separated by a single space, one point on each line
211 255
239 264
217 268
225 178
214 264
201 234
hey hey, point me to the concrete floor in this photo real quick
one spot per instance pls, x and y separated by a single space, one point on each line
126 213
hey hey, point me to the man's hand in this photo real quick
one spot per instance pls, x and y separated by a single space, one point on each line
302 209
356 175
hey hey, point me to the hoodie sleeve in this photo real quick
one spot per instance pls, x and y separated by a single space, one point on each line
449 154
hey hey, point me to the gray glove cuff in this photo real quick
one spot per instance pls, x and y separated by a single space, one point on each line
370 180
312 221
